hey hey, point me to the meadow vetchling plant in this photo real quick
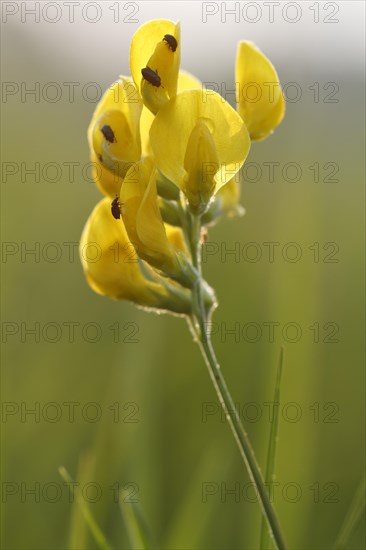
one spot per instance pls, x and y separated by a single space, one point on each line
167 155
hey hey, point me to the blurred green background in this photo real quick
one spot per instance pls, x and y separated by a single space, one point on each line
139 386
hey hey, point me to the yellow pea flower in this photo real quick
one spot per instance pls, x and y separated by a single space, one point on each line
114 134
199 142
112 267
150 50
260 100
145 226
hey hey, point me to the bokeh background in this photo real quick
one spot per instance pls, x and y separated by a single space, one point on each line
138 385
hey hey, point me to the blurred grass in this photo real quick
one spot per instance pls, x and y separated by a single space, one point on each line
354 516
270 477
86 516
170 453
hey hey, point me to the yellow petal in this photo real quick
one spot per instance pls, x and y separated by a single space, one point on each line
143 220
109 259
121 147
109 182
154 97
121 96
149 49
145 124
186 81
260 100
172 129
119 112
175 236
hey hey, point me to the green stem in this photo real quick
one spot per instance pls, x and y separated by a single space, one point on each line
241 437
198 323
195 241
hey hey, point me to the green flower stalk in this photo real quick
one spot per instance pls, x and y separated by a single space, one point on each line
168 155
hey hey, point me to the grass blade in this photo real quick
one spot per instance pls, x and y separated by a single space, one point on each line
79 531
355 512
265 540
95 530
137 530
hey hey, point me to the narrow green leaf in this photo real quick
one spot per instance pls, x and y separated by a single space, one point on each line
95 530
355 512
138 532
265 539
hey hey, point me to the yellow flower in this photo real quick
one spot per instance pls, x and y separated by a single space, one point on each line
144 223
112 267
199 142
114 134
153 138
155 50
260 100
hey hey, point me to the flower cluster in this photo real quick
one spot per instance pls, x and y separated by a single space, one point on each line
166 153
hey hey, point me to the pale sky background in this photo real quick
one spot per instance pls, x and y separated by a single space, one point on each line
96 51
